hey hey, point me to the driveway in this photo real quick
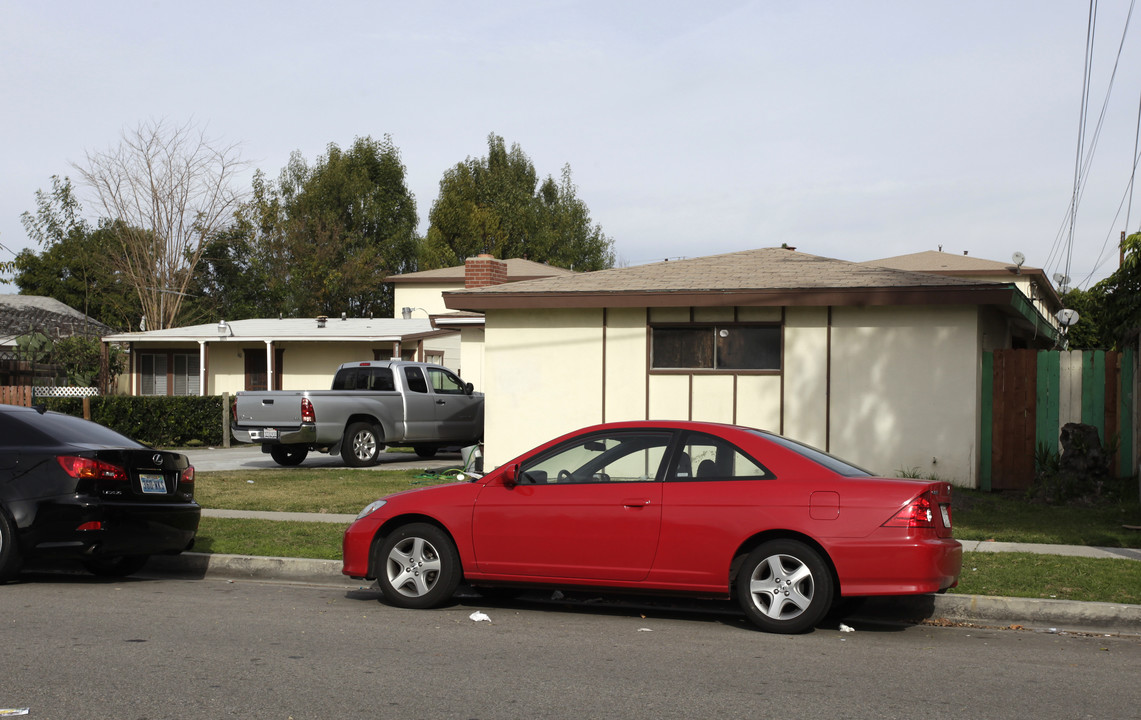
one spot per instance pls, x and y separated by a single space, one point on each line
250 457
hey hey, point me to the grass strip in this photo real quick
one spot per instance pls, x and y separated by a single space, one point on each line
1026 575
339 490
990 516
270 538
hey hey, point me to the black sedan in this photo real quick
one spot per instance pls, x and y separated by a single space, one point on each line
70 488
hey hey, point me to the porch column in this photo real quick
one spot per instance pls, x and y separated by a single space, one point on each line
202 367
269 368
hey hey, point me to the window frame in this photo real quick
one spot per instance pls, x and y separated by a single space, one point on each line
714 329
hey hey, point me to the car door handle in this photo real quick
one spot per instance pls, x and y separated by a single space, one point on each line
441 402
635 503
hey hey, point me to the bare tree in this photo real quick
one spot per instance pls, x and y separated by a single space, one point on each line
166 190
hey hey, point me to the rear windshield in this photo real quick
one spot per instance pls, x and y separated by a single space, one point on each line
833 463
31 429
364 378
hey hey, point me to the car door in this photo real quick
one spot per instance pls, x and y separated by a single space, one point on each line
420 421
457 413
589 508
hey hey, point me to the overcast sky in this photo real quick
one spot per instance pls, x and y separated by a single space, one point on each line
852 130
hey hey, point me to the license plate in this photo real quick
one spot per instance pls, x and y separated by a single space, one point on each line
269 433
946 515
153 484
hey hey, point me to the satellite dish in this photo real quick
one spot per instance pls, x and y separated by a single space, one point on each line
1061 279
1018 259
1067 317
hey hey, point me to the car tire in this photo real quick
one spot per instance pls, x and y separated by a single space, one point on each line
361 446
9 549
425 451
119 566
288 455
784 586
419 567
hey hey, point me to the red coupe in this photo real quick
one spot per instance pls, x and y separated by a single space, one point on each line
670 507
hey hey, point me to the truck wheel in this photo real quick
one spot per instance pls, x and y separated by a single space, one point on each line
288 455
361 446
425 451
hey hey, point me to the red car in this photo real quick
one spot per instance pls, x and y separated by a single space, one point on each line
671 507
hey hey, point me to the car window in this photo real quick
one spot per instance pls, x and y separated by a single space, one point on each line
705 457
833 463
31 429
445 383
613 457
414 378
380 379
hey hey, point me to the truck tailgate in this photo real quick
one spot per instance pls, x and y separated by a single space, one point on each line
268 408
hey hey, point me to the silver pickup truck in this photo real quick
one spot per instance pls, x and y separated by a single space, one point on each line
371 405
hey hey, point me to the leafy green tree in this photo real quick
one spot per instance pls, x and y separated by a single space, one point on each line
496 205
322 238
1110 311
74 264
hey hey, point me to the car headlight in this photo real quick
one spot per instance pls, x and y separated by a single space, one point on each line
371 508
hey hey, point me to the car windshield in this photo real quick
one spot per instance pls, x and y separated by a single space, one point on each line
833 463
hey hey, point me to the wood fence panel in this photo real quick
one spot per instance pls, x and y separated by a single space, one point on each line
1015 419
16 395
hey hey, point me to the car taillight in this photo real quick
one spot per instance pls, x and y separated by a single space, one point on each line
187 476
90 468
307 414
919 513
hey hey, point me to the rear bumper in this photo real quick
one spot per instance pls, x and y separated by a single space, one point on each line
304 435
898 568
124 528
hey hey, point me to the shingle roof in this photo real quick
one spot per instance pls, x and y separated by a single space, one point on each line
936 261
23 314
517 269
766 276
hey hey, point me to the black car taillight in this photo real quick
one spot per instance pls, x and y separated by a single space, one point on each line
187 476
919 513
90 468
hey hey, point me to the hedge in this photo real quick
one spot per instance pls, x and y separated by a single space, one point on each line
170 421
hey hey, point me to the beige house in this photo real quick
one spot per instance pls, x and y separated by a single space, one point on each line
228 356
877 365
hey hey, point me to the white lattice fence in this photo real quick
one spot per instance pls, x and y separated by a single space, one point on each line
65 391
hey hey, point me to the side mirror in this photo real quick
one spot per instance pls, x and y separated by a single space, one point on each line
469 388
510 476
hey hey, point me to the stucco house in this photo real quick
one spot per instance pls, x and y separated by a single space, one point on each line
878 365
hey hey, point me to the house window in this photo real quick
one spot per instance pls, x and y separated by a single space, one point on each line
168 373
716 347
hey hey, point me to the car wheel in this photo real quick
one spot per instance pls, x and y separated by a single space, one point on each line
361 446
425 452
784 586
288 455
9 549
120 566
421 567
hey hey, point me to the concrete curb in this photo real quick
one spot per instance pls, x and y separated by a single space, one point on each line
1053 615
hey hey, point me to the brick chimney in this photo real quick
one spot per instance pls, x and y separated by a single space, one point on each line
484 270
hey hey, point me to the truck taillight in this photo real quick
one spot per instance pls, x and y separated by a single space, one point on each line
307 415
919 513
